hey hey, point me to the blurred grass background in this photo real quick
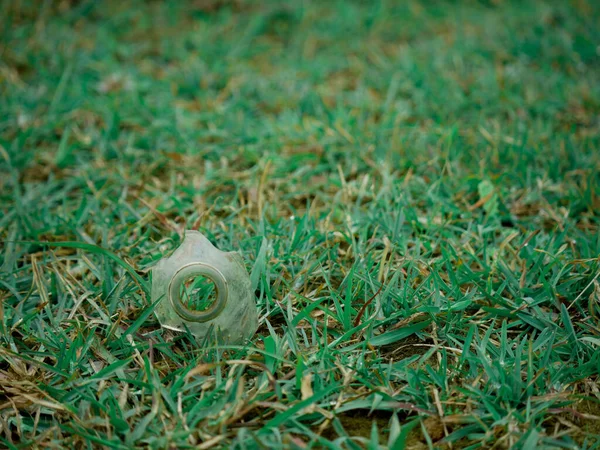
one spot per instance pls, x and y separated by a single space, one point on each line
413 186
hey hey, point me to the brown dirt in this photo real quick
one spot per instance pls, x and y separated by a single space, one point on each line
358 423
588 423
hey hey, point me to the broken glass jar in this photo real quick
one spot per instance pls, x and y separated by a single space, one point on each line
230 315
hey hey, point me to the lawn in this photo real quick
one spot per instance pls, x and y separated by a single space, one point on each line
414 188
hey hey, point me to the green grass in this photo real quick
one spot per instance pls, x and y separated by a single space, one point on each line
414 188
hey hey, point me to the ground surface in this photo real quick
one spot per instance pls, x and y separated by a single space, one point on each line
413 187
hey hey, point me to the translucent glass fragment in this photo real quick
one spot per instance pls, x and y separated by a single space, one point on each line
231 318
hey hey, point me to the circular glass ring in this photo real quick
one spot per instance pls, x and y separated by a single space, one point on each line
198 269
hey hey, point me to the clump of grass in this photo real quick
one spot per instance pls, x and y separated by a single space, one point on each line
413 187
